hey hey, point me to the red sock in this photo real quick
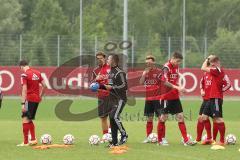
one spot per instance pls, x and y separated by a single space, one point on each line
200 127
183 130
221 128
164 131
161 131
207 126
149 127
105 131
32 130
215 130
25 128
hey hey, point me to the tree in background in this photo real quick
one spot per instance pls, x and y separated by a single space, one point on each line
10 23
48 21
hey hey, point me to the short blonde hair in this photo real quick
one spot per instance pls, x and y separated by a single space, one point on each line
150 57
214 58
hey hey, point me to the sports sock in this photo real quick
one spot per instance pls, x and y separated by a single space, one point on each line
183 130
25 128
32 130
160 130
207 126
149 127
215 130
105 131
200 127
221 128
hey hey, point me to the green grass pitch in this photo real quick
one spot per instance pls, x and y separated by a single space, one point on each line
47 122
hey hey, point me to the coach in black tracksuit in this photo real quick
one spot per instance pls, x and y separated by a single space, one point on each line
118 98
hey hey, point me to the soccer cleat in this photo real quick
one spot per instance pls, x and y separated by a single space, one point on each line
22 145
207 142
33 142
146 140
110 145
197 142
123 140
189 143
164 142
214 142
220 143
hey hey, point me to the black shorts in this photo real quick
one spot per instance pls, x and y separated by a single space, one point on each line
171 106
204 103
151 107
214 108
104 107
30 110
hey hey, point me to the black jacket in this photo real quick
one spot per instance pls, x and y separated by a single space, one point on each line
118 80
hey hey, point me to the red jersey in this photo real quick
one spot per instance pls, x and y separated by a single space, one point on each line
151 84
217 83
32 78
171 75
205 84
102 71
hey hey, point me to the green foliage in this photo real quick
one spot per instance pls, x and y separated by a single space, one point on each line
226 46
151 22
10 16
10 23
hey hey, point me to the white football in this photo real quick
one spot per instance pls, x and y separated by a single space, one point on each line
106 138
68 139
231 139
153 138
94 140
46 139
189 137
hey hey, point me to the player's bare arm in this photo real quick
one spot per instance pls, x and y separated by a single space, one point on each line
24 96
42 88
202 92
142 79
205 67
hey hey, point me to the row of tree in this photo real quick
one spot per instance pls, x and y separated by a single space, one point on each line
150 22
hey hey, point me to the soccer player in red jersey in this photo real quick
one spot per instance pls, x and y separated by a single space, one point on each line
205 86
150 79
32 91
101 75
171 103
214 106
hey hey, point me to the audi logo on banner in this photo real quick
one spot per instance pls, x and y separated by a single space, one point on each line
189 78
8 85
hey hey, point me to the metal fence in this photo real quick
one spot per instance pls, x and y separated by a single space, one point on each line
55 50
